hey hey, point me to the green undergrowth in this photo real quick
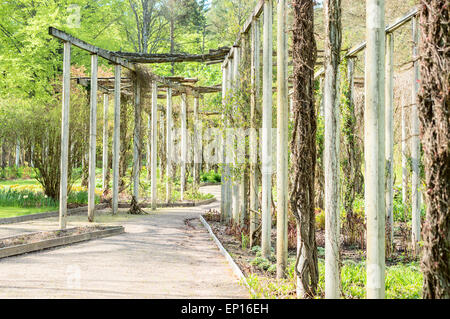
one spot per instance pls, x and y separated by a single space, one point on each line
210 177
403 280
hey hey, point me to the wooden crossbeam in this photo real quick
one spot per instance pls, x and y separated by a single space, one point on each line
107 55
389 29
257 11
213 55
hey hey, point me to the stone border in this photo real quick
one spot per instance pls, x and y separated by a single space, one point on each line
82 209
237 271
174 204
24 218
55 242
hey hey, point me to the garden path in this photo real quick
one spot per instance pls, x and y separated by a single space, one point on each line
167 254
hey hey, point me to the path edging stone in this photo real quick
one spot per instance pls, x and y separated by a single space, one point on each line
168 205
237 271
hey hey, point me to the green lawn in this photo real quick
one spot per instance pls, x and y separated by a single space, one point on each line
18 211
10 211
19 182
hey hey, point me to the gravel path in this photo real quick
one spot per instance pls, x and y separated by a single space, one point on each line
168 254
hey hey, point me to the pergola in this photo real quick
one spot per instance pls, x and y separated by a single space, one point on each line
161 88
234 203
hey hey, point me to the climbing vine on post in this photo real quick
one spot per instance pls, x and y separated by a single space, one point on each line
303 147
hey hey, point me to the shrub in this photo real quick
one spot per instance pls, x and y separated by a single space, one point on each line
210 177
320 219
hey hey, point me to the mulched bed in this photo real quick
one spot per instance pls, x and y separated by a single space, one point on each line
45 235
231 240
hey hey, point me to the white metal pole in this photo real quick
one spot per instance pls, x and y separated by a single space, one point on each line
116 139
253 139
183 145
17 163
149 146
331 102
374 148
267 131
282 141
154 150
235 88
105 141
64 138
415 144
223 171
389 129
136 140
228 153
169 145
197 139
404 157
92 138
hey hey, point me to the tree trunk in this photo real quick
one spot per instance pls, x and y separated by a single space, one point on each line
434 103
303 146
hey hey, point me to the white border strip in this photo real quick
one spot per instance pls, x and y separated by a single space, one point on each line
237 271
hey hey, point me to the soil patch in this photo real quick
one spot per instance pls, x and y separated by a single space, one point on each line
45 235
232 239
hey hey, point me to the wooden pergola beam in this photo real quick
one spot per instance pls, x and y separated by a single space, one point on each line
389 29
107 55
213 55
256 13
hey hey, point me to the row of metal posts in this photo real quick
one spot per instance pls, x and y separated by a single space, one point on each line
378 124
116 139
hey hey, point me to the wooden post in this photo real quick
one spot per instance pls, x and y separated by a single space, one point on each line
137 140
183 145
415 144
282 140
64 138
331 102
116 139
92 138
267 131
389 138
169 145
374 148
105 141
154 150
255 107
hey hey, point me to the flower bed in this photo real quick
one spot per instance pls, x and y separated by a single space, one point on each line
26 243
